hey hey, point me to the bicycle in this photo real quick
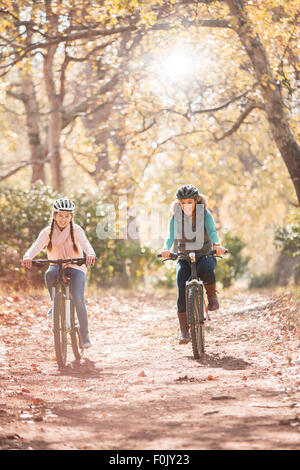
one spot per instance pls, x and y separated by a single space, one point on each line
63 311
197 313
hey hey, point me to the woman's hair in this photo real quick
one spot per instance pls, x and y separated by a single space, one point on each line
49 246
201 199
73 238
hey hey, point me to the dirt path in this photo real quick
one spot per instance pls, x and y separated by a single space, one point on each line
138 389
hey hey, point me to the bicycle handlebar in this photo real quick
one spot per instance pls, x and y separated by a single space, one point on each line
210 254
78 261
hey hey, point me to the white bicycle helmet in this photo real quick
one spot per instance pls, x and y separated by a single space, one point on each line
63 205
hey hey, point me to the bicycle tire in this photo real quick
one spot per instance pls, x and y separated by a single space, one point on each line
59 330
196 320
74 333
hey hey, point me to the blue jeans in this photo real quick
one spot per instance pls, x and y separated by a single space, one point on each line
205 270
77 291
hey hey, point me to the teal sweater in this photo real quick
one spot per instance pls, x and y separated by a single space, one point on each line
209 227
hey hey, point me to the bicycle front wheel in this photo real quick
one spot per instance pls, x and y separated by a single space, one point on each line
196 320
74 332
59 330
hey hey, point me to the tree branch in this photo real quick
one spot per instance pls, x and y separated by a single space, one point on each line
222 106
20 167
240 120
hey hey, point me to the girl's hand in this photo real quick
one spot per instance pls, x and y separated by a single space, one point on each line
27 263
219 249
90 260
165 254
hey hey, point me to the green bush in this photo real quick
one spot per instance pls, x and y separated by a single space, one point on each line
168 278
259 281
25 213
233 265
287 239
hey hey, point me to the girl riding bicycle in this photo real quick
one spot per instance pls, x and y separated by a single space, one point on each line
64 239
185 227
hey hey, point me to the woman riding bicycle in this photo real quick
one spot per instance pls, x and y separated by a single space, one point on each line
191 221
63 240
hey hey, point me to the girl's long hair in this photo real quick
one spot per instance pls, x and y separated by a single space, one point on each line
73 237
49 246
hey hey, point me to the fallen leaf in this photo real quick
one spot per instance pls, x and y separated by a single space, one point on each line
37 401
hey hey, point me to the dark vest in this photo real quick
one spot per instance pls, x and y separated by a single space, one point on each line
187 233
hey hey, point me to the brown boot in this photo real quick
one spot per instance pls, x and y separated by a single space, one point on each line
213 303
184 328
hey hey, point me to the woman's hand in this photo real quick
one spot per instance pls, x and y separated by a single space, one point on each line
165 254
27 263
219 249
90 260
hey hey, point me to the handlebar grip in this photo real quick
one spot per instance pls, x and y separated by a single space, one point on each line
35 262
173 256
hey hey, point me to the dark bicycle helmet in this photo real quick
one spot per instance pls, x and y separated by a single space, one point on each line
188 191
63 205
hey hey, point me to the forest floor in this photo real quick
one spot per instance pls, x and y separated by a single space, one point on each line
138 389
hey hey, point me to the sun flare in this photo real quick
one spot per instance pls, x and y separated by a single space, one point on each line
177 66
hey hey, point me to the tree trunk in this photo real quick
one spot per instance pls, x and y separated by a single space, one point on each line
94 124
55 120
32 121
54 133
274 105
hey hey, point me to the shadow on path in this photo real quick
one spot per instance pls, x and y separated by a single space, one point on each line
225 362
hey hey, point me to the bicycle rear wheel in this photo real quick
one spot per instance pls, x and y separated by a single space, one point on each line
196 320
59 330
74 333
